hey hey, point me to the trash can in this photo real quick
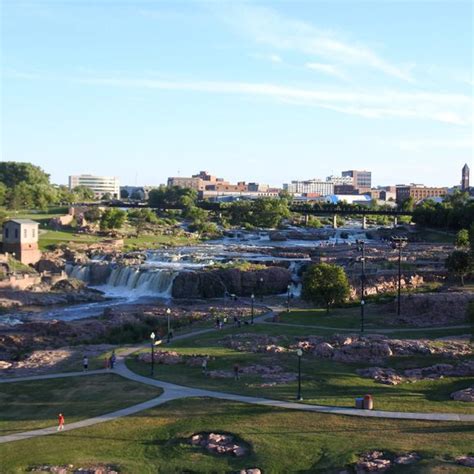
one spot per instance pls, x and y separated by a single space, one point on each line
368 402
359 403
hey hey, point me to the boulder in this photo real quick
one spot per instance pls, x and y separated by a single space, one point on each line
465 395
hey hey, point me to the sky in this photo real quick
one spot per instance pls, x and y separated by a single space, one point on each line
250 91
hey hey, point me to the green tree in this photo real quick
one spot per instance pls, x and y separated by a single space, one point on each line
471 237
93 214
3 194
64 195
83 193
462 238
112 219
459 264
325 284
139 218
13 173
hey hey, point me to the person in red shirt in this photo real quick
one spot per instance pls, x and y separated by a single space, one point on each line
60 422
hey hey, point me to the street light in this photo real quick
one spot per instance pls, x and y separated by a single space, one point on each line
152 339
168 313
361 248
261 288
252 299
299 353
288 299
398 243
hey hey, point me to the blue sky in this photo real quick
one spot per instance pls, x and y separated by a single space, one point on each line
257 91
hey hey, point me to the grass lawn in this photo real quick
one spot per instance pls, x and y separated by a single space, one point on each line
376 316
150 241
325 382
281 441
56 237
31 405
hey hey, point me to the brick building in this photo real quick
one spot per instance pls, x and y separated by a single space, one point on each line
20 238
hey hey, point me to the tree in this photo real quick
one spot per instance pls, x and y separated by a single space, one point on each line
93 214
13 173
462 238
83 193
124 194
471 237
3 194
112 219
325 284
107 197
459 264
140 217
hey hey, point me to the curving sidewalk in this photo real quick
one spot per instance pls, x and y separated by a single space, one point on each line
174 392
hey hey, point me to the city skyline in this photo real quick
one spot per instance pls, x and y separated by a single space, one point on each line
269 92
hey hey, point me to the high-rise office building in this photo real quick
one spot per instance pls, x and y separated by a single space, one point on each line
361 180
100 185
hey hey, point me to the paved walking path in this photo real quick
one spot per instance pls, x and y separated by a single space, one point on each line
173 392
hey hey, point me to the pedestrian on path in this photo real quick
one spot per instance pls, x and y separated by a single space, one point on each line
204 366
60 422
107 363
236 372
85 363
113 358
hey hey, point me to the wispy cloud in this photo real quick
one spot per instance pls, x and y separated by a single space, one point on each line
430 143
328 69
266 26
448 108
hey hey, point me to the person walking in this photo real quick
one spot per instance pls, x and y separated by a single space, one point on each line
60 422
85 363
112 360
204 366
236 372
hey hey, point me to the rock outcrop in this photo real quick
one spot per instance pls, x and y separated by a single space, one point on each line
216 283
465 395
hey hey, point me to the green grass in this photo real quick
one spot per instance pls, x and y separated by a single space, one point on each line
150 241
56 237
282 441
375 317
32 405
325 382
43 217
435 236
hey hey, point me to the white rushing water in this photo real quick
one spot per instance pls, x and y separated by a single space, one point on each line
138 281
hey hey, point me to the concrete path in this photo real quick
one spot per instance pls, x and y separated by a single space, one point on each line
174 392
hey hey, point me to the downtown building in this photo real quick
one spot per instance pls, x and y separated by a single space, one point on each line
361 180
312 187
100 185
419 192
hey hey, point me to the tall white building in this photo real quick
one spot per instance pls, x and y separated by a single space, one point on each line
311 186
100 185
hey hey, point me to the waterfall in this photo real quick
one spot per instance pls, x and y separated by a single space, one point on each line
156 282
80 272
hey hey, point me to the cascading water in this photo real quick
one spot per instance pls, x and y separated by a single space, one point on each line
80 272
143 281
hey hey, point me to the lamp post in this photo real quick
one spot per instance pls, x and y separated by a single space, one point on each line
261 288
361 249
168 314
299 353
288 299
252 300
398 243
152 339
